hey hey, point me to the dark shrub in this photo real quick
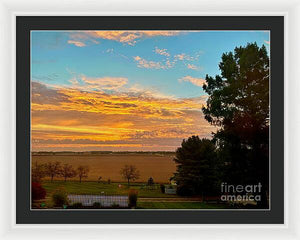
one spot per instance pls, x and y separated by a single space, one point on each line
184 191
132 197
99 179
96 205
162 188
59 197
150 181
38 192
115 205
247 206
77 205
108 181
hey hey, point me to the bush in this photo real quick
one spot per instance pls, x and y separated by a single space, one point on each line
37 191
150 181
115 205
162 188
108 181
132 197
77 205
59 197
96 205
183 190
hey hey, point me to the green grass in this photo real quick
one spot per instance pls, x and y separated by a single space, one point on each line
179 205
75 187
89 187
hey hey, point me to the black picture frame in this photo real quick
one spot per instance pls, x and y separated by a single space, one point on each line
24 24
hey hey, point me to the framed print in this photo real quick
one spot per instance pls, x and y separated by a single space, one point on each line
150 119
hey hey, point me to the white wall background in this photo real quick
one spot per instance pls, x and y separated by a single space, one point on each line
10 8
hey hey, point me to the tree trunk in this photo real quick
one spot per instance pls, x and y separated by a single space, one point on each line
80 179
52 178
128 181
65 179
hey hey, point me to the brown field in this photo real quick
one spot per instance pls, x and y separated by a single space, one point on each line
158 166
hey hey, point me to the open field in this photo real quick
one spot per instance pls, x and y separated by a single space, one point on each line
158 166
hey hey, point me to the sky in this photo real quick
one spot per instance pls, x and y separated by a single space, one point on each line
124 90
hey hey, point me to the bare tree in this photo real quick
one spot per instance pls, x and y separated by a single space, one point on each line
67 171
82 172
37 172
130 172
53 169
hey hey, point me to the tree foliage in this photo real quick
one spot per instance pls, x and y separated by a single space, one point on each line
238 104
82 172
241 94
37 191
130 173
132 198
67 171
150 181
38 172
196 167
52 169
60 197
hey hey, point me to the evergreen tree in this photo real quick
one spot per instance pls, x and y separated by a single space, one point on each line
196 167
238 104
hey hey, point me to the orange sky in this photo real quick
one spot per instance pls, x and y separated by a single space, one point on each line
69 118
124 90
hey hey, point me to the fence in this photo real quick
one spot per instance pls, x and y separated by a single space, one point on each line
105 201
169 189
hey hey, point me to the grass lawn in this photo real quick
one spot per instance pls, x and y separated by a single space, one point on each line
75 187
179 205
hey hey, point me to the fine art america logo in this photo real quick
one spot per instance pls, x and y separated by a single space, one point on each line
241 193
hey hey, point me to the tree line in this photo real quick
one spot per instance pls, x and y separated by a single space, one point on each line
238 105
55 169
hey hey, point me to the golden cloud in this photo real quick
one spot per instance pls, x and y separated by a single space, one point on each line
192 66
104 83
135 119
184 56
77 43
143 63
196 81
126 37
167 63
162 52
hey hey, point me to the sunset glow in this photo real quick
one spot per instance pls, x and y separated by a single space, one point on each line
123 90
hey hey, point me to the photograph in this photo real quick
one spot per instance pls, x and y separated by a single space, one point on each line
131 120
